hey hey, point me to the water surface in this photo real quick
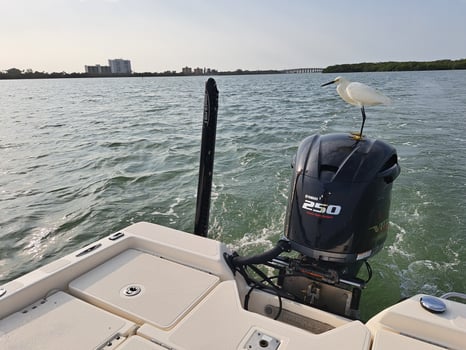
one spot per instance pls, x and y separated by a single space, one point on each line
83 158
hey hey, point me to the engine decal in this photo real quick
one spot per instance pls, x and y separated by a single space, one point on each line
314 207
380 227
319 215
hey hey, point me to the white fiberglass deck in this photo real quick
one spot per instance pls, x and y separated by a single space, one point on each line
149 287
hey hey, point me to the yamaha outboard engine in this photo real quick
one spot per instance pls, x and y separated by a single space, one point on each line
338 215
337 218
340 197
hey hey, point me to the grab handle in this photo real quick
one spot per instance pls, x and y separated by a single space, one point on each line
390 174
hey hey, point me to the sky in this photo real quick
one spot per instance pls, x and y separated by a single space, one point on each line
166 35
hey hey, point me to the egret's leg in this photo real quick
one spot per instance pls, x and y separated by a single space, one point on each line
363 112
358 136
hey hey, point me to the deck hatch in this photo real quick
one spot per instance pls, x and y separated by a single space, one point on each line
144 288
61 319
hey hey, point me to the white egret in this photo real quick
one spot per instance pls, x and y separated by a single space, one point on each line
360 95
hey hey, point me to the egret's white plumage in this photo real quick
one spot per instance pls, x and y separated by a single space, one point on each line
360 95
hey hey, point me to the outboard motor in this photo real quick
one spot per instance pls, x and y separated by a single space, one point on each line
338 215
337 218
340 197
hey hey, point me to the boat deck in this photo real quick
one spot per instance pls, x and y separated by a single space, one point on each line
150 287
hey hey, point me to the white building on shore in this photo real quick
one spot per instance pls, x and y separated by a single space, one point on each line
115 66
97 69
120 66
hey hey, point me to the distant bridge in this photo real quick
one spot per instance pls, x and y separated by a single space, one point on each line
303 70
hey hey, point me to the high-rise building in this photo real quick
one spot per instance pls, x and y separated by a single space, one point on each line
120 66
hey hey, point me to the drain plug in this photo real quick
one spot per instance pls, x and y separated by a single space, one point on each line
131 290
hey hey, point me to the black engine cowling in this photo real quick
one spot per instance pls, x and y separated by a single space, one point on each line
339 200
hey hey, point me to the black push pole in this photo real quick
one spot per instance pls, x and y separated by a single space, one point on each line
206 163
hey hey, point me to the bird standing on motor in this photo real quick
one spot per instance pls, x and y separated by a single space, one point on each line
360 95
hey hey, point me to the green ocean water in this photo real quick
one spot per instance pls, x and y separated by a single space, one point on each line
83 158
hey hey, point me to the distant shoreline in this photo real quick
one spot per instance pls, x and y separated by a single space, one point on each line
63 75
392 66
389 66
